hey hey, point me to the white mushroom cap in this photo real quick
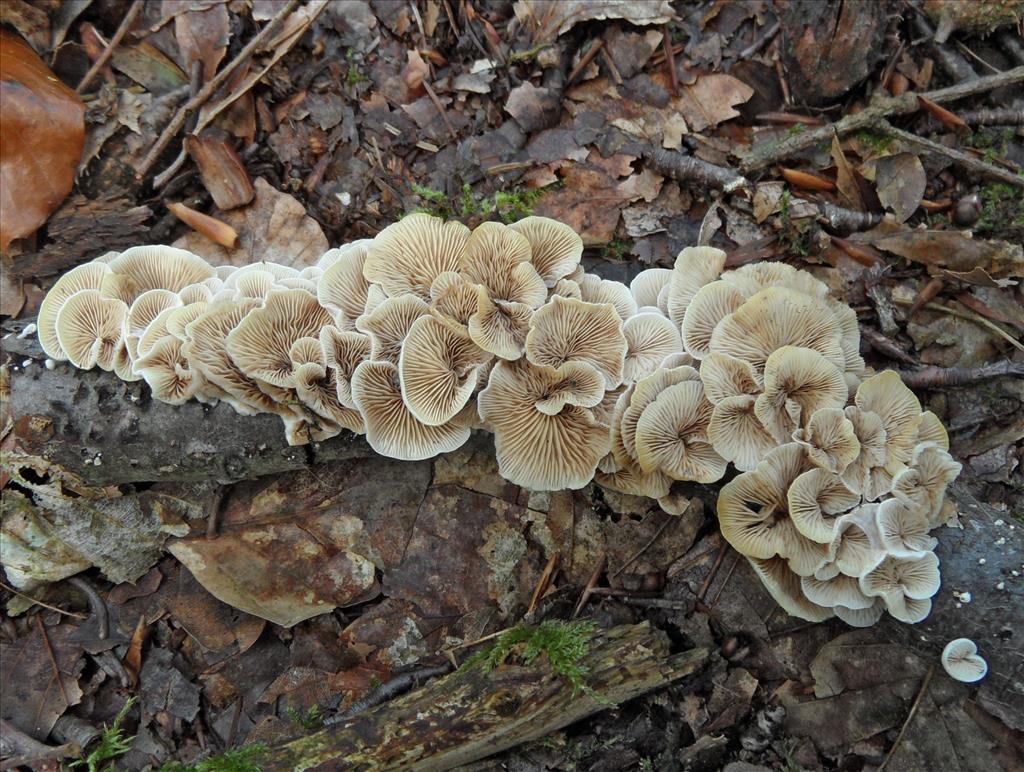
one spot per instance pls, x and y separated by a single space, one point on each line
829 439
200 292
815 498
342 288
754 277
453 301
159 267
961 660
261 342
331 256
905 584
753 508
922 486
408 255
389 323
648 284
797 382
841 590
567 288
567 330
649 339
594 289
671 435
498 258
694 267
343 351
536 450
574 383
168 373
87 276
870 434
555 248
251 284
777 317
864 617
712 303
932 430
206 352
856 545
646 391
887 395
438 370
737 434
391 429
143 312
499 327
90 329
785 587
904 530
726 376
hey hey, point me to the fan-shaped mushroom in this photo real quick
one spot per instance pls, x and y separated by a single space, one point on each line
961 660
904 529
922 486
887 396
342 289
709 306
343 351
815 498
671 435
389 323
438 370
166 369
797 382
694 267
905 584
498 258
83 277
567 330
648 284
737 434
536 450
157 267
261 342
89 329
408 255
829 439
785 587
649 339
555 248
594 289
500 327
391 429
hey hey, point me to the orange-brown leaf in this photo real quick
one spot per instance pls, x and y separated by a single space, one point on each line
806 180
42 132
216 231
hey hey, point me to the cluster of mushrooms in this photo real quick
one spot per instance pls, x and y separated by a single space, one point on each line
429 330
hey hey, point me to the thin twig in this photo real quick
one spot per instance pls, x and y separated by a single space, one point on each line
96 604
440 108
53 660
944 377
670 60
685 168
127 22
910 717
647 546
761 40
208 90
714 570
968 162
602 562
44 605
543 583
586 59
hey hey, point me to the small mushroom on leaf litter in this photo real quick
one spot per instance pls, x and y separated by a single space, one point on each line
961 660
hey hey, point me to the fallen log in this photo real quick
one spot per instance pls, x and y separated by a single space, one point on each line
472 713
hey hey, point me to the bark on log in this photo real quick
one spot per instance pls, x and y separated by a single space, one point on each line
111 432
471 714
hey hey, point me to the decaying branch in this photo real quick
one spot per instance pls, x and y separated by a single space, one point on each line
685 168
881 109
472 714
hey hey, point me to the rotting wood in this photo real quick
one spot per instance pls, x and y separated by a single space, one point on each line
472 714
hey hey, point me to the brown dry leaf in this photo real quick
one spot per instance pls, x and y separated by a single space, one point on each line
273 227
846 181
414 73
31 699
223 171
712 99
294 546
42 132
954 251
148 66
551 18
202 35
900 181
12 293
